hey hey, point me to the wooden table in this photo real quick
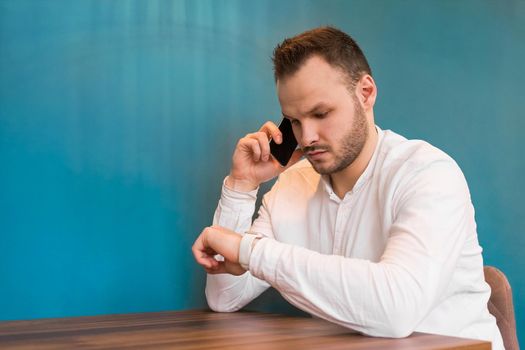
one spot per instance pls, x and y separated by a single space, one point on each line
205 330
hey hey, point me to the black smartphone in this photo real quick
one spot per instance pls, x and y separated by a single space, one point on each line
283 152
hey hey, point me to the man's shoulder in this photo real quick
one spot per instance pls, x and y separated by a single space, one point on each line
300 174
397 151
403 161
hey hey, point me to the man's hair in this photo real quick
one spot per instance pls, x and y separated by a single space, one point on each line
336 47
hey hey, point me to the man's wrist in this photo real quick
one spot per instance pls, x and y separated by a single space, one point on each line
240 185
224 242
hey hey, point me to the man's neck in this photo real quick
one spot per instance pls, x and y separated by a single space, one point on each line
345 180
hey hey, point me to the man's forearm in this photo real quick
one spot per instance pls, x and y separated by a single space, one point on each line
373 298
226 292
235 209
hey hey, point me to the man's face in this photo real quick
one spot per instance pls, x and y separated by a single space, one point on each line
328 121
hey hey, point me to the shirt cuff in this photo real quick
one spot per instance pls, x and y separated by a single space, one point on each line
232 198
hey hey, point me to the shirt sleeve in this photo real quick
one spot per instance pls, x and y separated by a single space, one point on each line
433 215
224 292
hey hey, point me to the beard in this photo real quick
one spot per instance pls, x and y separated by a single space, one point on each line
352 144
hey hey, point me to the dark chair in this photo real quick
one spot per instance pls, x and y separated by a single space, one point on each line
500 305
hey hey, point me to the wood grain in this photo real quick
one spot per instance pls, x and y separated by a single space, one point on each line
200 329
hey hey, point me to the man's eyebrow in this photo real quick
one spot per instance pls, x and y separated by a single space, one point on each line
318 106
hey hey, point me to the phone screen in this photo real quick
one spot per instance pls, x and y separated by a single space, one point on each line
284 151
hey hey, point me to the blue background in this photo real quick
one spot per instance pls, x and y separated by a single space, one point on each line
118 119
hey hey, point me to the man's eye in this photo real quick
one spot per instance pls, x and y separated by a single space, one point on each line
320 115
295 122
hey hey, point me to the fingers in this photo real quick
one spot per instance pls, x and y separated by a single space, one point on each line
226 267
204 255
218 240
259 146
219 268
253 147
272 131
257 143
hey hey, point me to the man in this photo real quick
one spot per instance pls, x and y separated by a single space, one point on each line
372 231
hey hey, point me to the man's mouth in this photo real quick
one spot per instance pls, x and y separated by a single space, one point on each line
315 154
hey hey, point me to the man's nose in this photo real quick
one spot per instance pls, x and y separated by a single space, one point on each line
309 134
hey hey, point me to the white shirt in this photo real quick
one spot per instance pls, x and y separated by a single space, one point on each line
399 253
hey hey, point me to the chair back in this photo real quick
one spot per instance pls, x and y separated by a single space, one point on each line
500 306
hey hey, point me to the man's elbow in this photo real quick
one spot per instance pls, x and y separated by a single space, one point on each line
399 330
221 307
394 327
216 304
394 331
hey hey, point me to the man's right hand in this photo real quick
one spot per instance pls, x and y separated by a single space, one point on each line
252 163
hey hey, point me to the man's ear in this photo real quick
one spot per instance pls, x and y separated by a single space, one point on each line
366 91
